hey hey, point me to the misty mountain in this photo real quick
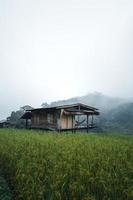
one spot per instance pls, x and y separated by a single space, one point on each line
96 99
119 119
101 101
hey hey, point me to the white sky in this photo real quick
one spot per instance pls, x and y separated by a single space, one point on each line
53 49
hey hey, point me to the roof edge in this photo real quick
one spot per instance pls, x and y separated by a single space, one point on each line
65 106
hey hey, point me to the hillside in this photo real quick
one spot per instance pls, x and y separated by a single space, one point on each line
119 119
96 99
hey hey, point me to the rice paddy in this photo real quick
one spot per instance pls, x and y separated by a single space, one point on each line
64 166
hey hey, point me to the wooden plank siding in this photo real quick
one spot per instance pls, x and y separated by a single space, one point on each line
44 120
57 121
66 122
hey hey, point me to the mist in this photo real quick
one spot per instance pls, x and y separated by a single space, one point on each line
53 50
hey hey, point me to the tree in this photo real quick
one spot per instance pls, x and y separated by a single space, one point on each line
15 117
44 105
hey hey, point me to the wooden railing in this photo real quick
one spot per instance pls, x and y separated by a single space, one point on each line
45 125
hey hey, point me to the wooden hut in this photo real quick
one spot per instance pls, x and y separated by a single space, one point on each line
65 117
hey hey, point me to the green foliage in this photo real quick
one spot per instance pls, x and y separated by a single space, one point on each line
118 119
63 166
15 118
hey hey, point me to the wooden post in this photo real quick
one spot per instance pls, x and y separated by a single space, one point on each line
72 123
92 120
67 121
78 122
87 123
79 108
26 123
60 121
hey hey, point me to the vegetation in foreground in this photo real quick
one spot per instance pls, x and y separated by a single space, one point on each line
5 193
55 166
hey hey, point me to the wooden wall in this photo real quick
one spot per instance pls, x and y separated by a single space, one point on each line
51 119
66 122
44 119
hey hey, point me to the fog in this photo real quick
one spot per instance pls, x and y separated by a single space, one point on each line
51 50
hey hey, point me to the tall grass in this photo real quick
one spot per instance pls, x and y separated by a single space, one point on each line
52 166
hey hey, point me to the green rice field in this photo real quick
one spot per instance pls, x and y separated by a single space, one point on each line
41 165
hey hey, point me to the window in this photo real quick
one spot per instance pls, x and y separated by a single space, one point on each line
49 117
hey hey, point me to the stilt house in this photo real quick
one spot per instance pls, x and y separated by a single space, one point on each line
66 117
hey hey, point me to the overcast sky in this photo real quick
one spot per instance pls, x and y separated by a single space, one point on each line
55 49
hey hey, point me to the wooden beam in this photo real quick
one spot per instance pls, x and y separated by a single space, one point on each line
26 123
92 120
72 123
79 112
78 121
61 113
87 123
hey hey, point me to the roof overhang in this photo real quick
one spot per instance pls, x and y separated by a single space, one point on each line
86 107
26 115
80 112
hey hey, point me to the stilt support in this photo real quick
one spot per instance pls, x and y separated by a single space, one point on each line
87 123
